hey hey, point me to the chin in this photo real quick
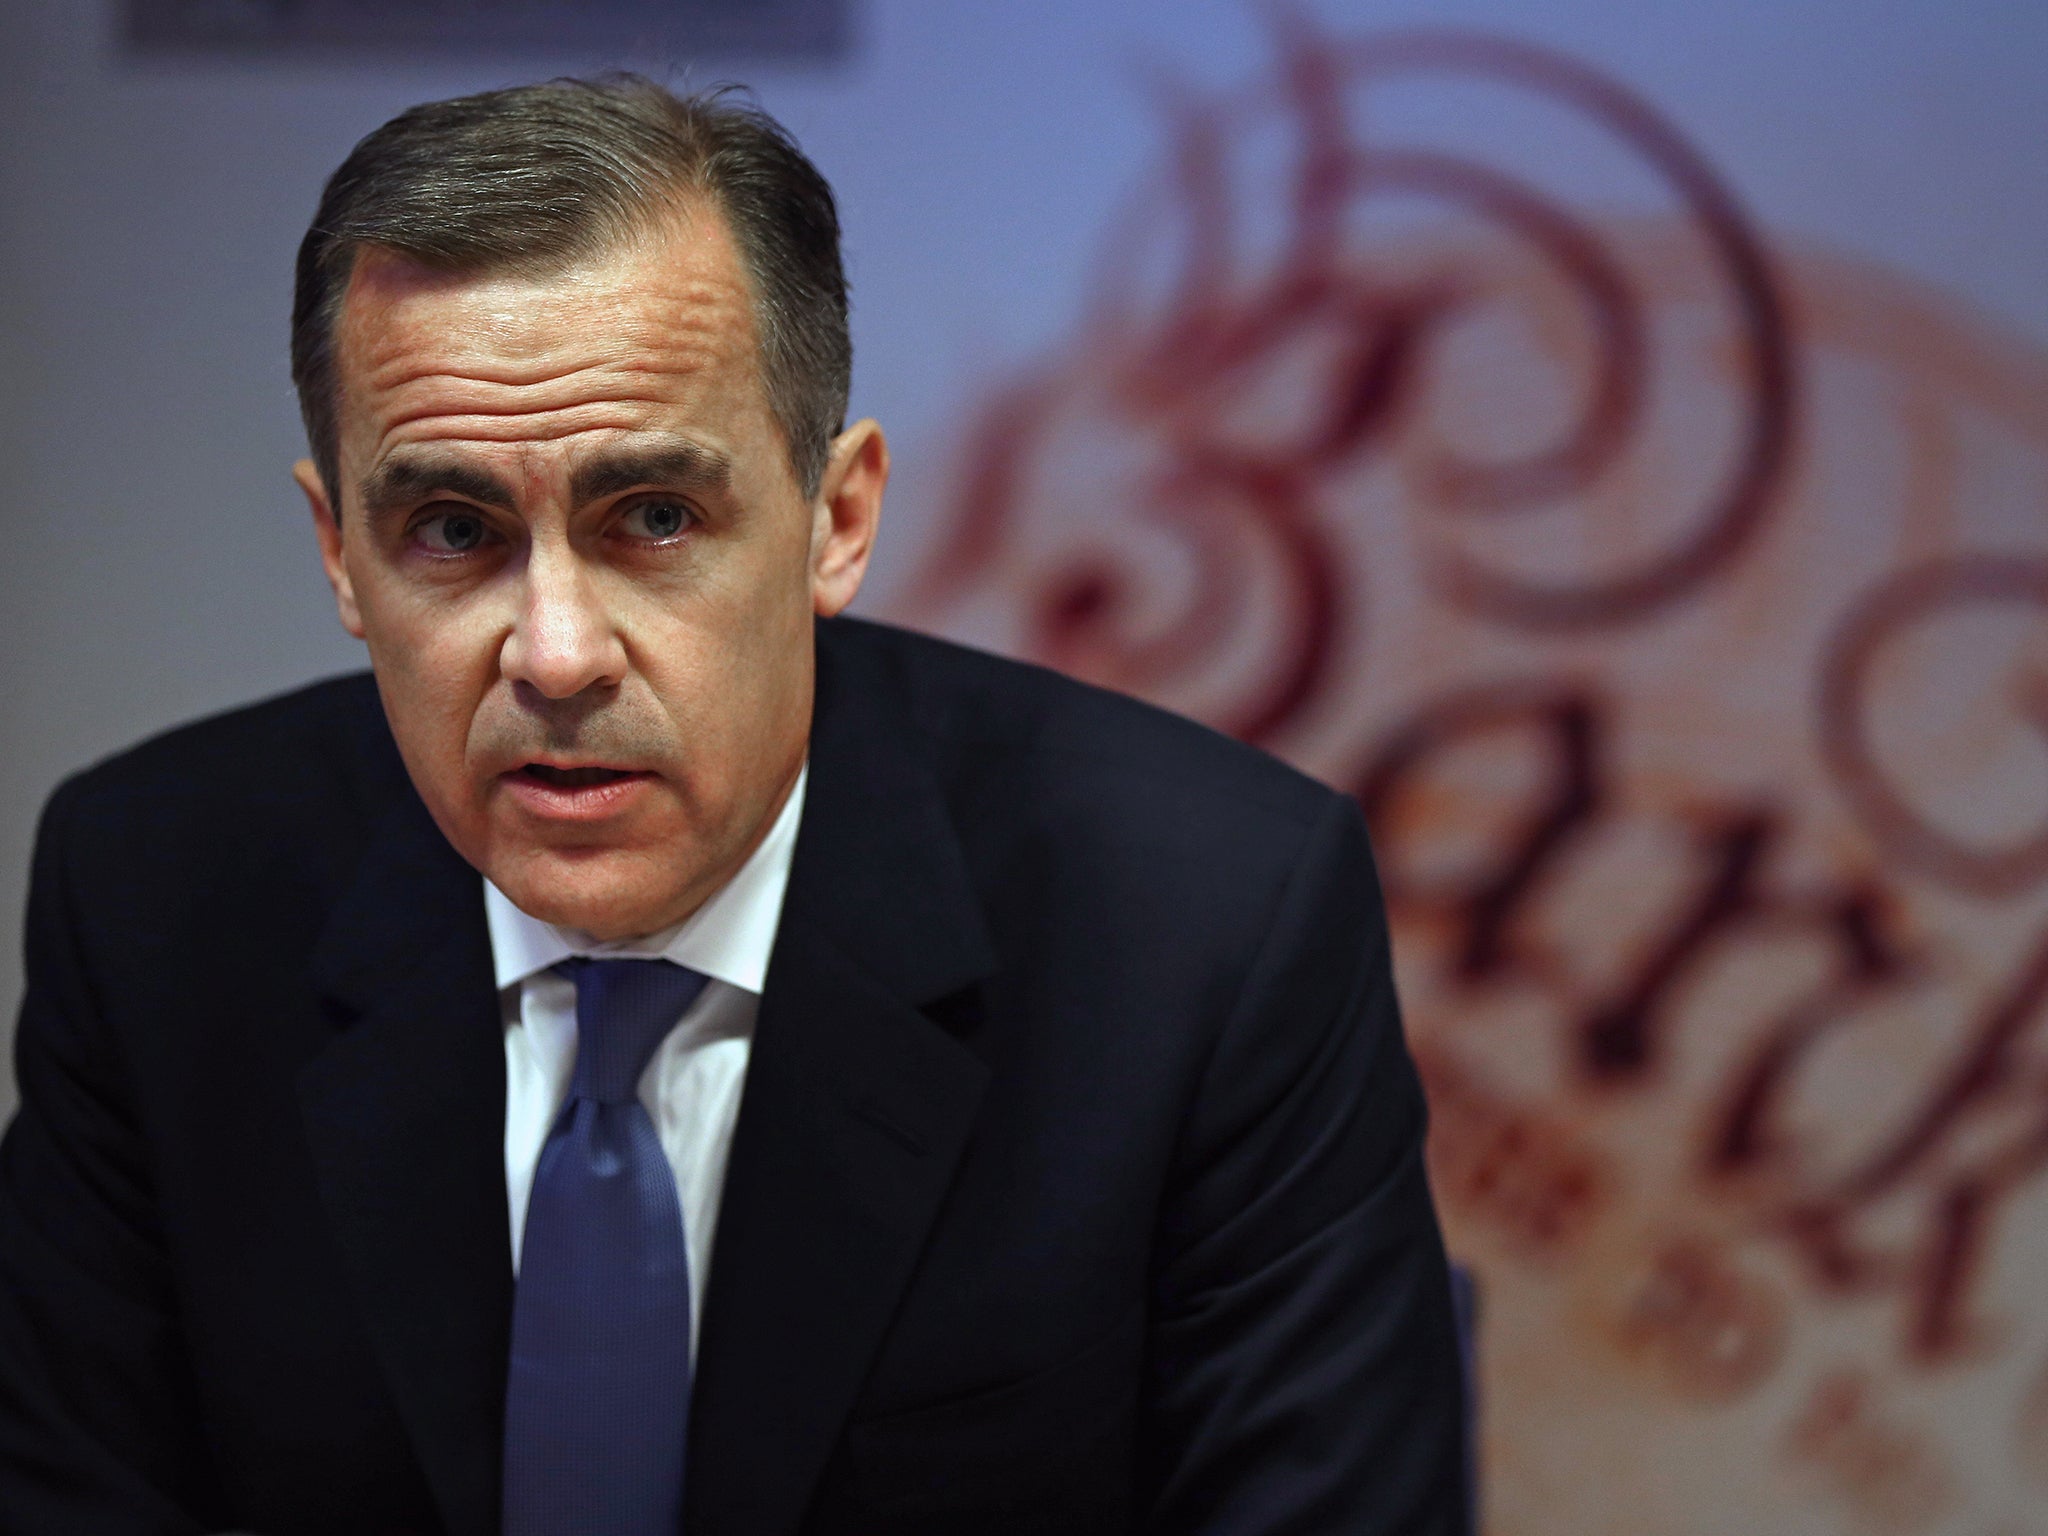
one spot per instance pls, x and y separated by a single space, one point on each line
605 894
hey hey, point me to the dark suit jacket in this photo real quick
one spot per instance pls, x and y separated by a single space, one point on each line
1077 1185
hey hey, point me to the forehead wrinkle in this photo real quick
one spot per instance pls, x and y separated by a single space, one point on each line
462 401
676 263
510 357
407 373
408 386
624 396
510 431
685 324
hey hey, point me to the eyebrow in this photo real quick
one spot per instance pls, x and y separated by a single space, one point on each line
405 479
680 466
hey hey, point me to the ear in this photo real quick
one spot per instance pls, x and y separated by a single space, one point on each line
845 514
327 529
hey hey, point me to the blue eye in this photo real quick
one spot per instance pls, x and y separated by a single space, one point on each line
451 533
657 519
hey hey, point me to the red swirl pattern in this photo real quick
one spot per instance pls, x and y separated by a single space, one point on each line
1180 372
1908 600
1708 797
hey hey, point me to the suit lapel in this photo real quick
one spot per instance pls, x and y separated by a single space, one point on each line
856 1110
404 1113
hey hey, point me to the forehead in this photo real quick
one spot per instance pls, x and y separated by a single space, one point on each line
661 320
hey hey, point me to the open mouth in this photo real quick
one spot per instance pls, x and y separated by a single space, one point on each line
574 778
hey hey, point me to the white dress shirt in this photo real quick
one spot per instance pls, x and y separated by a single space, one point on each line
691 1087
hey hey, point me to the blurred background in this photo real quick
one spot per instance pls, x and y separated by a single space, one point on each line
1610 439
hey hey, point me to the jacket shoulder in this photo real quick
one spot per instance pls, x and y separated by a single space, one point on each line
207 791
1040 725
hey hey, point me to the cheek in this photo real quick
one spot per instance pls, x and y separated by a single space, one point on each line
770 630
434 663
730 665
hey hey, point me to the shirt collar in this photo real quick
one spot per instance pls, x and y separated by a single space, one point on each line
727 939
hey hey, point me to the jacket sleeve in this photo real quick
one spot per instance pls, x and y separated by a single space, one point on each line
98 1419
1304 1375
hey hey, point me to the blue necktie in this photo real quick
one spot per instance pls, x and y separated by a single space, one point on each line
598 1392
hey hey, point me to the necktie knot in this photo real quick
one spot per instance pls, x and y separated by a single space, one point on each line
624 1009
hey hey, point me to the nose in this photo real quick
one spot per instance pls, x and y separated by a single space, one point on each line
563 640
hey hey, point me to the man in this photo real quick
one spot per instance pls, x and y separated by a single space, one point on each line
668 1054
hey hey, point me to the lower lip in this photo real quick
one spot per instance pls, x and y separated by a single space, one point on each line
580 802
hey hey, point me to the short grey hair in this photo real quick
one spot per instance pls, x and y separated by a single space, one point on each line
536 178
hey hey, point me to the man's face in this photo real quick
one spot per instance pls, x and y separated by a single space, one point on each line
570 533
